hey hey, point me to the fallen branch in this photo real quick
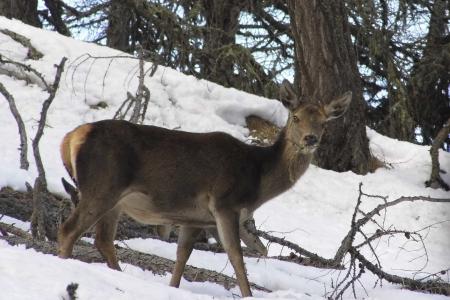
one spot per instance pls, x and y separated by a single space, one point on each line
20 72
347 247
32 53
19 205
380 207
157 265
6 229
431 286
436 286
311 259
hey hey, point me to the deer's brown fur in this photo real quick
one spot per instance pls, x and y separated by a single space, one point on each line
71 145
194 180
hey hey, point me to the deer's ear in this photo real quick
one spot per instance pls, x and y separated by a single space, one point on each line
287 96
338 106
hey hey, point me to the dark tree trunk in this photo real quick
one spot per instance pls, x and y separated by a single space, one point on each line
430 77
118 32
222 21
23 10
55 18
326 69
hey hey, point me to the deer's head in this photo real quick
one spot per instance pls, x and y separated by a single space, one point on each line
307 120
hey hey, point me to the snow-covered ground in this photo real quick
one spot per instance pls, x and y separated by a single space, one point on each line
315 213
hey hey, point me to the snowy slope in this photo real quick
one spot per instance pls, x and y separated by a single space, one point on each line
315 213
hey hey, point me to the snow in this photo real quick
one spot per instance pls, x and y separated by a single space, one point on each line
315 213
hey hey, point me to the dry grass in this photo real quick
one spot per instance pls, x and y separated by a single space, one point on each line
263 131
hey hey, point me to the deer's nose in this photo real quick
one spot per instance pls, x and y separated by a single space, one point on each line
311 140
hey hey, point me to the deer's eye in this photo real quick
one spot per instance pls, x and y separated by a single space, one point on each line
295 119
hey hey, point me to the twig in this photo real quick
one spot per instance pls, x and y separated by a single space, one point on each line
351 282
347 247
42 83
349 238
315 259
380 207
140 92
343 280
140 101
431 286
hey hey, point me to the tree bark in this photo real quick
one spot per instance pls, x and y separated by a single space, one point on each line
118 32
222 22
56 11
430 77
23 10
326 68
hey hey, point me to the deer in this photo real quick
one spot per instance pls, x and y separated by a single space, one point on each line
191 180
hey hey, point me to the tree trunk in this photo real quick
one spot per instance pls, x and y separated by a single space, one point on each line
56 12
119 26
430 77
399 123
222 21
23 10
326 68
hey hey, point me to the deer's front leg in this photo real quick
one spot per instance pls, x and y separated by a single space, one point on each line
228 228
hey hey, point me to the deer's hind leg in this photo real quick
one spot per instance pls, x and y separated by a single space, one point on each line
105 231
186 239
85 215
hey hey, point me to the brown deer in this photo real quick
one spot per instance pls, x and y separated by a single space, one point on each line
193 180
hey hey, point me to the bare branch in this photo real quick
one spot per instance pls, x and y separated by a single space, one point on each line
352 276
431 286
6 229
349 238
33 53
24 76
40 192
380 207
43 117
87 13
24 164
315 259
435 180
140 92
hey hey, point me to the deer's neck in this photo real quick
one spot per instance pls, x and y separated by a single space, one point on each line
285 165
